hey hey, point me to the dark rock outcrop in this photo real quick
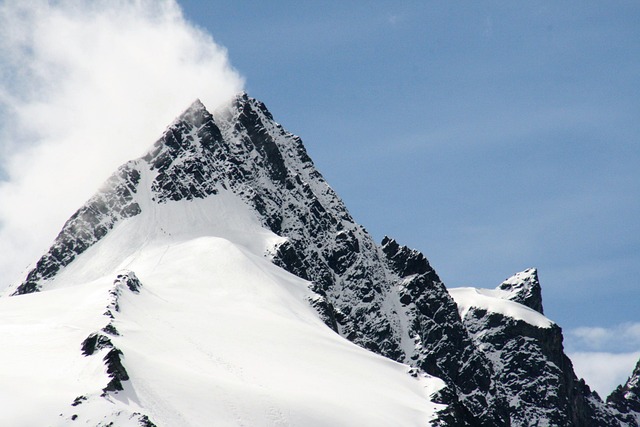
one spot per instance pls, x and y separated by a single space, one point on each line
442 345
102 340
102 343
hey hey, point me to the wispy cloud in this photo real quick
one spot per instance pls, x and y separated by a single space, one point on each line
604 356
624 337
84 86
604 371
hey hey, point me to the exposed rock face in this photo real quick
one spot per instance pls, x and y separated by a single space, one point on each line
366 290
438 333
625 400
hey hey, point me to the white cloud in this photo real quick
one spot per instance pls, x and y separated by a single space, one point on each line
623 337
592 337
85 86
604 371
604 356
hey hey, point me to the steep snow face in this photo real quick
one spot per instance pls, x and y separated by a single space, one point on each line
111 204
224 216
211 331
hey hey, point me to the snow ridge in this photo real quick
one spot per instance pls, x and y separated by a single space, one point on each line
100 344
495 300
104 408
100 340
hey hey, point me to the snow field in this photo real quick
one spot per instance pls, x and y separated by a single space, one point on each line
218 335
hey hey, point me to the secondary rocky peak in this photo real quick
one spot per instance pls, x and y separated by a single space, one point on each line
527 354
524 288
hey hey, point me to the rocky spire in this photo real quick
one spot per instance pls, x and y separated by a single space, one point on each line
524 288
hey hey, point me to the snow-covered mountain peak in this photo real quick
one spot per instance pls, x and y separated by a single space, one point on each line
190 161
219 278
193 323
239 177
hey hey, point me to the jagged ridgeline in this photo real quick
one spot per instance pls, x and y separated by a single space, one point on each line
386 298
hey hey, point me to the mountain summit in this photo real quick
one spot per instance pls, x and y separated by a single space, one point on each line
219 277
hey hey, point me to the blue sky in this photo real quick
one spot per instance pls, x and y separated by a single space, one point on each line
492 136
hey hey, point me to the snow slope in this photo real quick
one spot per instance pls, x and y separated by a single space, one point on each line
217 334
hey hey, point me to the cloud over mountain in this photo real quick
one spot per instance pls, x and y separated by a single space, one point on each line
83 87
